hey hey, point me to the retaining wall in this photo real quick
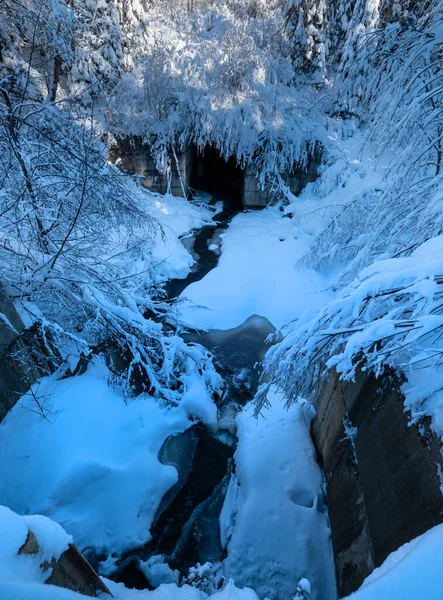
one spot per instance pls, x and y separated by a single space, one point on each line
383 483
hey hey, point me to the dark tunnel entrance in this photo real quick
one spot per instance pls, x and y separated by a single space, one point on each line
222 179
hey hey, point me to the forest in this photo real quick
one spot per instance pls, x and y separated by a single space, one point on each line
221 321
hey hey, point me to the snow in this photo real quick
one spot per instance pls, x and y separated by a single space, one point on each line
158 572
231 592
33 591
185 592
164 592
414 572
51 537
256 274
92 464
274 520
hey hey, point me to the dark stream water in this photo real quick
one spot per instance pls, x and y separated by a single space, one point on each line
206 259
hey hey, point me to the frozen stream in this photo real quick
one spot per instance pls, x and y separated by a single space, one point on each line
250 497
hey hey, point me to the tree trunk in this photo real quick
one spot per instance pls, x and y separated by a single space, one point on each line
55 78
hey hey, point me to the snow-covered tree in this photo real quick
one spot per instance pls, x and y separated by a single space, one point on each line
72 226
306 22
212 78
387 311
37 37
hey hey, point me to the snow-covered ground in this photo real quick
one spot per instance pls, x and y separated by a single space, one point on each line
255 275
261 269
76 451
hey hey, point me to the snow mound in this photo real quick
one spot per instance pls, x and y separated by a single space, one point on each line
92 463
414 572
274 521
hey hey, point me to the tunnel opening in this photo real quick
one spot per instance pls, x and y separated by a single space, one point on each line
222 178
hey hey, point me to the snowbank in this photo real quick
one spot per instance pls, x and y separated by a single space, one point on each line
414 572
274 520
255 275
91 463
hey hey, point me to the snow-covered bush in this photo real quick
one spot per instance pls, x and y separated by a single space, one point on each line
99 55
212 78
390 315
385 243
77 237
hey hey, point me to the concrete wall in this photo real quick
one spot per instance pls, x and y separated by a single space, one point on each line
252 196
383 486
295 180
23 356
134 157
298 178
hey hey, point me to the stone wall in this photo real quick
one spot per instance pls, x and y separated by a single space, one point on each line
382 478
134 157
23 356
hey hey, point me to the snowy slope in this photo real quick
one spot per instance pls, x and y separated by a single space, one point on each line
90 460
413 572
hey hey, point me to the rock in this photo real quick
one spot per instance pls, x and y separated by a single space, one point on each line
71 571
30 546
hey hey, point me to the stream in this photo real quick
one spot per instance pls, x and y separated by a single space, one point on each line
186 528
199 242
